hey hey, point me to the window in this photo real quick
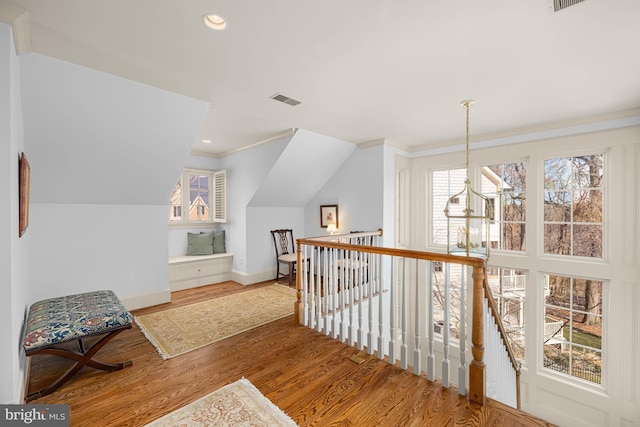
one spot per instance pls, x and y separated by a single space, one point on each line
508 289
573 205
454 280
505 186
490 209
445 183
564 198
573 326
204 200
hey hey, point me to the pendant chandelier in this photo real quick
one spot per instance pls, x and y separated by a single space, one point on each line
468 215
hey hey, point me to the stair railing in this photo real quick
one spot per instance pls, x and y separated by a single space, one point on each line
377 298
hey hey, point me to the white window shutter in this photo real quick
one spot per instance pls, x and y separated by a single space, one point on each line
220 196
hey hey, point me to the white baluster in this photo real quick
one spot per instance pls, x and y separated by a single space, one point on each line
318 291
352 290
417 369
328 267
392 316
403 315
334 293
446 327
305 287
314 282
369 275
462 368
343 295
360 283
431 359
380 309
378 287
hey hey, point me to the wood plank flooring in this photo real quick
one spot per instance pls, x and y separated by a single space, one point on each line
306 374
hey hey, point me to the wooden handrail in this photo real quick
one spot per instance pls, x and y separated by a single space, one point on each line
403 253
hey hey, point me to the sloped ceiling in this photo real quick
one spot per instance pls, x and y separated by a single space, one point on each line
94 138
305 165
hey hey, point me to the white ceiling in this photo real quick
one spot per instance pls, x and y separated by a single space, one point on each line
363 69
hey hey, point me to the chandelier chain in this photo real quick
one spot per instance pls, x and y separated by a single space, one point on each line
467 105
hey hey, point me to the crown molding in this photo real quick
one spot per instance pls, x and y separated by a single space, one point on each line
18 18
618 120
384 141
612 120
286 134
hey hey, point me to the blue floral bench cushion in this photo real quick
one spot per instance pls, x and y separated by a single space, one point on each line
72 317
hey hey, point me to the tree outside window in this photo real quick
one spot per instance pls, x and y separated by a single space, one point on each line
573 333
506 185
573 205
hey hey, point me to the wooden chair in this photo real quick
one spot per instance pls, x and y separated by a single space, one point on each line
285 252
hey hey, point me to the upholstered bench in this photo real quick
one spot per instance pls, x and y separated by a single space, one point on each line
56 321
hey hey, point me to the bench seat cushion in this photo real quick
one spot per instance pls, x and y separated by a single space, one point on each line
57 320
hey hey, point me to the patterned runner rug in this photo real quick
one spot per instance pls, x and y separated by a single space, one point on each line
236 404
176 331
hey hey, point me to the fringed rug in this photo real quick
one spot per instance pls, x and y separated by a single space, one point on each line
237 404
176 331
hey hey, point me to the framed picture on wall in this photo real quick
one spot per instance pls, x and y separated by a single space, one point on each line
328 215
25 188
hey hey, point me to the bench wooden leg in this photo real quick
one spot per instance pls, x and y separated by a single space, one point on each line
82 358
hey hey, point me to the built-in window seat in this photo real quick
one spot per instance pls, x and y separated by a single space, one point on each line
193 271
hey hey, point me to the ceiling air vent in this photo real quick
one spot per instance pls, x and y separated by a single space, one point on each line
285 99
563 4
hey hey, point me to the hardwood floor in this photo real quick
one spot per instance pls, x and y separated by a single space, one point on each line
306 374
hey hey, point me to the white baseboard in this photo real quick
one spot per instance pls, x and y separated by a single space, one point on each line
133 302
251 278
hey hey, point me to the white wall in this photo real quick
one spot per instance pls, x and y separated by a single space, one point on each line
389 195
80 248
307 163
101 139
245 172
260 221
358 190
105 153
14 264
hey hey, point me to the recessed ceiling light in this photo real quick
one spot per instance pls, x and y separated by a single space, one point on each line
206 141
214 21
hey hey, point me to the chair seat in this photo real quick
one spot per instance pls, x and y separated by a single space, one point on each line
288 258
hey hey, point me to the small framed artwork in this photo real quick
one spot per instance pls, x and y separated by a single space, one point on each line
25 188
328 215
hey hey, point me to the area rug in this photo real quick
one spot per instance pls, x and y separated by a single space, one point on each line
176 331
237 404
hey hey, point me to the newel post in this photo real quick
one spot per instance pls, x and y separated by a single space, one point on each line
297 306
477 382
